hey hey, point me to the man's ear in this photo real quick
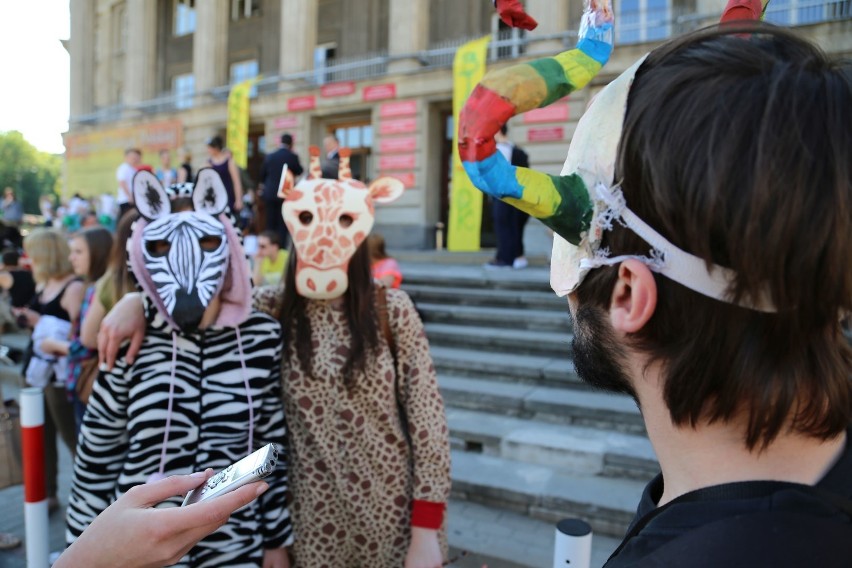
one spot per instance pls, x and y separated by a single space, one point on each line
634 297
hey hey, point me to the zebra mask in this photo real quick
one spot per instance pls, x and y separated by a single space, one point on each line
183 259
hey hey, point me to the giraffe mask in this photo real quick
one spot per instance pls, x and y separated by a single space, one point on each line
328 219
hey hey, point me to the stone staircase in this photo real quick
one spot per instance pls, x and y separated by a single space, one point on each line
531 443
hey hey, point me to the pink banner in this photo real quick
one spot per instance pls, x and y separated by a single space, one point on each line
285 122
398 126
553 113
550 134
396 145
308 102
379 92
400 108
338 89
401 162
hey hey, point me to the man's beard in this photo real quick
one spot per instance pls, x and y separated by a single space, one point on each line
597 355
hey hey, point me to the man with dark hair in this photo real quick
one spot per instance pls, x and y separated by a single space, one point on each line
704 239
270 174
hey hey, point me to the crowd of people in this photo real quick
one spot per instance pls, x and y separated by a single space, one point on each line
727 334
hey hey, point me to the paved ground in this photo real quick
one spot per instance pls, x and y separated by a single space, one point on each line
12 498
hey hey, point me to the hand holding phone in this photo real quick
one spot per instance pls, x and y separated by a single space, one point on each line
251 468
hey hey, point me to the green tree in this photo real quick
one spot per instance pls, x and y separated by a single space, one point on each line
29 171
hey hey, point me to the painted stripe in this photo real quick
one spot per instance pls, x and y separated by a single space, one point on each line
495 176
35 486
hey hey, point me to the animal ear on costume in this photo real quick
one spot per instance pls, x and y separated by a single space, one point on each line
314 168
287 183
209 195
150 196
386 189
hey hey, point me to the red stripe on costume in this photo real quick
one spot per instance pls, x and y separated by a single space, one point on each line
481 118
35 486
427 514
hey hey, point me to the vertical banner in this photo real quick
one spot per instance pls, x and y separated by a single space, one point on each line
238 120
465 221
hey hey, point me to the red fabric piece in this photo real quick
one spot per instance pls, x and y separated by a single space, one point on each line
741 10
481 118
513 15
35 485
427 514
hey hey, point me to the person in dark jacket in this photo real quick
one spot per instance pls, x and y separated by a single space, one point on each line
509 222
270 174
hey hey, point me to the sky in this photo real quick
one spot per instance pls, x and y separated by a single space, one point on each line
35 71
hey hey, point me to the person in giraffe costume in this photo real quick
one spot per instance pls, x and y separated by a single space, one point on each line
370 462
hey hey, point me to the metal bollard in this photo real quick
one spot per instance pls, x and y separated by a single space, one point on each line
573 546
35 486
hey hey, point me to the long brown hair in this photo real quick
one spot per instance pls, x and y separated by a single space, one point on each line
122 280
99 242
737 151
361 317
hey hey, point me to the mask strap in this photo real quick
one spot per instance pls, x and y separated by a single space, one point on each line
664 257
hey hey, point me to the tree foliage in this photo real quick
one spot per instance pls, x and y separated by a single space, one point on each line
29 171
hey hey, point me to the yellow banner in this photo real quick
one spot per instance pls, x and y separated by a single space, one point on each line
92 158
465 200
238 120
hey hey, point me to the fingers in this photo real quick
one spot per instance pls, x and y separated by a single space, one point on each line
152 493
135 345
206 516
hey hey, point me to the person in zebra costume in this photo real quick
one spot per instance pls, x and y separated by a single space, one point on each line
204 390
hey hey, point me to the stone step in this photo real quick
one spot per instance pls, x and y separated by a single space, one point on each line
487 536
521 341
545 493
570 449
476 259
528 280
515 318
497 298
507 366
547 404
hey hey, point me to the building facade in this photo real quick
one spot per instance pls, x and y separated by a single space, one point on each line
377 73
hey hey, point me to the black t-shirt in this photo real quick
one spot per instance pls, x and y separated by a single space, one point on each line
760 523
23 287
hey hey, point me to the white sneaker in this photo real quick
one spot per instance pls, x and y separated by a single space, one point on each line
520 262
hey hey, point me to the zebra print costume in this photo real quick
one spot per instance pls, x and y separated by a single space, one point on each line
194 398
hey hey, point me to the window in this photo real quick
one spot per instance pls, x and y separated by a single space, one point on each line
244 9
184 17
323 56
801 12
242 71
643 20
183 87
358 137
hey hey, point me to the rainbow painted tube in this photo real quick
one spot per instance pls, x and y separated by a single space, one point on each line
560 202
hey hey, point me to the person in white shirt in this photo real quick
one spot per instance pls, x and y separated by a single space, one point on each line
124 177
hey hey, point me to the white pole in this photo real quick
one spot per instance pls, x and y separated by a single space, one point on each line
573 546
35 486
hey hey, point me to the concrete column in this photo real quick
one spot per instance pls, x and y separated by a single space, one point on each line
140 60
103 58
409 32
298 35
210 44
553 17
82 51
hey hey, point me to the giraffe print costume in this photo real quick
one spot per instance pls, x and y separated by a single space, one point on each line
354 475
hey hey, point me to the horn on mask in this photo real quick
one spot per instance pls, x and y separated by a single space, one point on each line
344 172
314 169
560 202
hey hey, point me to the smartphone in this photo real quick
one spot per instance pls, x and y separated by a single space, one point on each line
251 468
